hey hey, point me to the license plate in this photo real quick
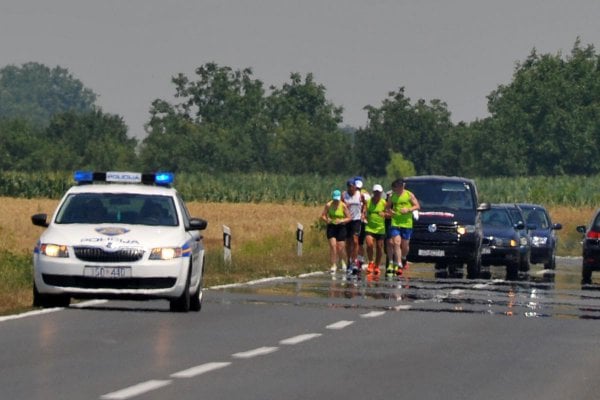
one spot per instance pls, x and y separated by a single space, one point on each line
486 250
107 272
431 253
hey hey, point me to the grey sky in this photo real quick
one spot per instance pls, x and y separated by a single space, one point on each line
455 50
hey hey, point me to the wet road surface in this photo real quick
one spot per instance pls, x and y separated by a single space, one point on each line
537 293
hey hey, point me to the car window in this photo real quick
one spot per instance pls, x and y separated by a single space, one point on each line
496 218
124 208
443 195
538 218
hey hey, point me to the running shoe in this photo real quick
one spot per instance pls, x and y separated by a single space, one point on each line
371 267
390 269
343 265
333 269
376 270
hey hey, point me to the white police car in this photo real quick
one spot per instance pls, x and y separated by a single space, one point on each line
120 235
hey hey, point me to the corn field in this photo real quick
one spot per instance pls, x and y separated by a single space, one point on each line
576 191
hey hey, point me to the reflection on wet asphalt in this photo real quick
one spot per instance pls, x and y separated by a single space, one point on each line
538 293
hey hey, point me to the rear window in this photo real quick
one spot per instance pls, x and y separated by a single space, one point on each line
124 208
434 195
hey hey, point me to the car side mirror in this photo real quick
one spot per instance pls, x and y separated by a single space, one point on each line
556 227
484 207
197 224
40 220
581 229
520 225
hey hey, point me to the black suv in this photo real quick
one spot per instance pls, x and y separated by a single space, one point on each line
448 229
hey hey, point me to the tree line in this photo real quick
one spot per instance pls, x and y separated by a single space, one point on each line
544 122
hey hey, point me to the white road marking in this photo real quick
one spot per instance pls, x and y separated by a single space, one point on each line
456 292
89 303
30 313
300 338
339 325
136 390
372 314
256 352
402 307
200 369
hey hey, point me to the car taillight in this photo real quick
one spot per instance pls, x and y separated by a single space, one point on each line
593 235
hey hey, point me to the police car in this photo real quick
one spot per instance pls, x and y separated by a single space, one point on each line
120 235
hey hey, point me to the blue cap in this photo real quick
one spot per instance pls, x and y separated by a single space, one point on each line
336 195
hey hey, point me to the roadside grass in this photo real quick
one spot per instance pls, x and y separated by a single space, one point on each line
263 242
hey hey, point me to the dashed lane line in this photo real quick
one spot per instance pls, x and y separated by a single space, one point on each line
200 369
136 390
300 338
261 351
339 325
372 314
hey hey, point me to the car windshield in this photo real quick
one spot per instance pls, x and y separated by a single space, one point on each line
497 218
115 208
538 218
433 195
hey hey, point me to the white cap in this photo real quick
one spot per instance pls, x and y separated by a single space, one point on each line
377 188
358 184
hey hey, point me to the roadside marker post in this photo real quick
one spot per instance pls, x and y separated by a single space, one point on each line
226 244
299 238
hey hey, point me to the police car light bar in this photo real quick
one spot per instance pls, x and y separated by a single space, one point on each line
159 178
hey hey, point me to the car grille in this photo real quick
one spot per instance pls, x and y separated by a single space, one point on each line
439 228
108 283
96 254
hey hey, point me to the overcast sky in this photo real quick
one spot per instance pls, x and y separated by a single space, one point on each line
458 51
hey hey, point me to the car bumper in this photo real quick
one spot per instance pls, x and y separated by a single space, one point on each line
442 250
541 255
494 255
145 279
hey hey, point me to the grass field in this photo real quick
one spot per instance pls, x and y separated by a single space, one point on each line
263 242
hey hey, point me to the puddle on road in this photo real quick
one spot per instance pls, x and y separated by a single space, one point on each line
539 293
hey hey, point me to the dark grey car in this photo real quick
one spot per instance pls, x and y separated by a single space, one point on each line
542 231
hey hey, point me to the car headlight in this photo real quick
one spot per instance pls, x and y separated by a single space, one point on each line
462 229
523 241
165 253
513 243
539 241
54 250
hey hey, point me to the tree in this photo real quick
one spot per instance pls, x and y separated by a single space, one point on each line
399 167
93 140
35 93
306 137
546 118
416 131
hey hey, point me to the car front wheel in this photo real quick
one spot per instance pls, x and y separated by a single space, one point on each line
49 300
182 303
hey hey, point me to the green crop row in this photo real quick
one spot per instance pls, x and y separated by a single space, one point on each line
576 191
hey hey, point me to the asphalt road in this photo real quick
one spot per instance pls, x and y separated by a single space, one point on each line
421 336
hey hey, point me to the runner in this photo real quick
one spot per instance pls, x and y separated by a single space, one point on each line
336 215
375 229
359 181
400 207
354 200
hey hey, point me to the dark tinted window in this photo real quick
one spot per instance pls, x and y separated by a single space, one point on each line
124 208
440 195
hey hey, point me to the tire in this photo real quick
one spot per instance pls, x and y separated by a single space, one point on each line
524 264
551 264
196 297
474 268
512 271
182 303
49 300
586 274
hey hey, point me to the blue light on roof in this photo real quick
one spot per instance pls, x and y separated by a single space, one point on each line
83 176
164 178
